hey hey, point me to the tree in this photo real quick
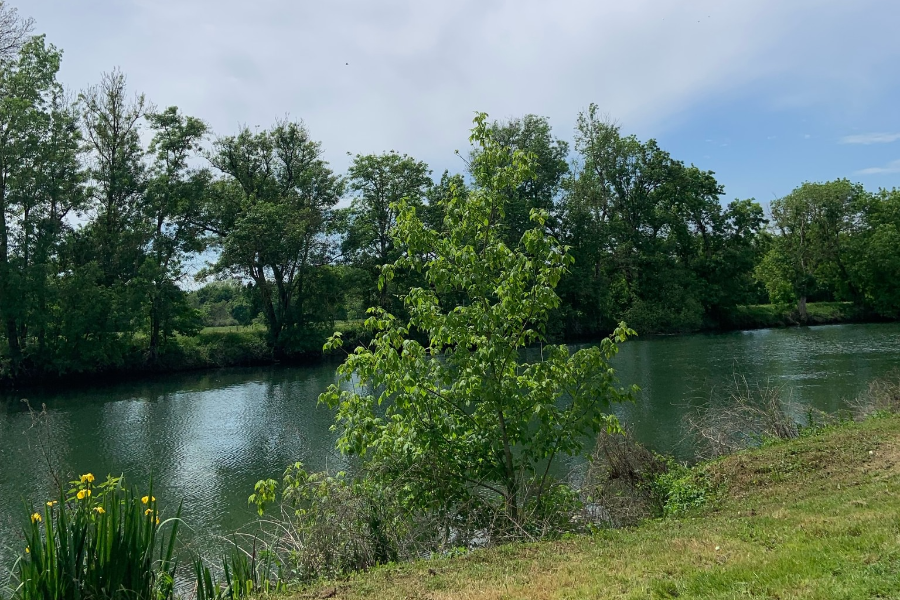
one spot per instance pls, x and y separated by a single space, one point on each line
270 213
531 134
39 184
873 260
458 413
810 249
14 32
380 181
172 205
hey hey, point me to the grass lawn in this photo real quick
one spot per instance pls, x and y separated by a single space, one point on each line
818 517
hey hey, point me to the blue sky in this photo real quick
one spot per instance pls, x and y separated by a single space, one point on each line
766 93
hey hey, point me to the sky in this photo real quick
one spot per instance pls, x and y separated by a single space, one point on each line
765 93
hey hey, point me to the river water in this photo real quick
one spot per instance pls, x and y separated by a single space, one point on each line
208 437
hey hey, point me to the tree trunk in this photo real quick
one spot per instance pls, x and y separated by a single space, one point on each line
801 308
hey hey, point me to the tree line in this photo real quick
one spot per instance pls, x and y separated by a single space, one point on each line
106 201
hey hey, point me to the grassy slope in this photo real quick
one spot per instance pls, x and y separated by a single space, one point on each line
814 518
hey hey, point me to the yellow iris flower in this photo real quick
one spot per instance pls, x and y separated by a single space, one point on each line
87 478
82 494
36 518
99 510
51 502
147 499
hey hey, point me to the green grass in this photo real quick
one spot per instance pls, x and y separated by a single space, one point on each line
759 316
817 517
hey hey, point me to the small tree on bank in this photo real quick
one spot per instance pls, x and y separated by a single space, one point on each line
442 402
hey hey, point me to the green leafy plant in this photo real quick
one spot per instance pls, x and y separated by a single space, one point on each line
98 541
681 489
442 401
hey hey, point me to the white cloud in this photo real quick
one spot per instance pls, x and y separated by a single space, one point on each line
418 70
871 138
891 167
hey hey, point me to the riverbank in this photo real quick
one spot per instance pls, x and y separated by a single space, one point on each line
238 346
817 517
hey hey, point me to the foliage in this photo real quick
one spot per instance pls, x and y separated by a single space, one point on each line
331 525
680 489
269 215
458 416
811 251
651 241
98 541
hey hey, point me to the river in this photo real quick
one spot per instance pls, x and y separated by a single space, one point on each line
208 437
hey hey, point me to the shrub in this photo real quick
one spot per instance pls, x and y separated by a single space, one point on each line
681 489
618 486
333 525
881 396
746 416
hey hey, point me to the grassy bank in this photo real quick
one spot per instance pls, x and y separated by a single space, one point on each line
765 316
817 517
240 346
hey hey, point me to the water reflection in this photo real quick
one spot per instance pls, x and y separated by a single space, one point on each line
208 437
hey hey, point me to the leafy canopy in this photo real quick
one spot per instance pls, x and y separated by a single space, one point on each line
443 397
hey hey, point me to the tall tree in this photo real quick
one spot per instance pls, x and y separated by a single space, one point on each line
112 124
810 250
38 181
379 182
532 135
270 213
14 31
172 205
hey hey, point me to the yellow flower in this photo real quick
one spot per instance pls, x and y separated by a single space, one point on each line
87 478
36 518
99 510
27 550
157 520
51 503
148 511
82 494
147 499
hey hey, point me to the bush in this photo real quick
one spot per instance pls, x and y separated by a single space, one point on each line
746 416
97 541
881 396
618 486
681 489
328 526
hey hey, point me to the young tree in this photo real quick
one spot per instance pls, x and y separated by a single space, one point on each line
270 214
458 414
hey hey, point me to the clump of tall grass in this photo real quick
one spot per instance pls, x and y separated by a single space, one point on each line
881 396
747 415
98 540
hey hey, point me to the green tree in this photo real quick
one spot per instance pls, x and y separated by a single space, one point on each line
459 415
809 252
379 182
172 205
39 185
874 261
533 135
270 214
